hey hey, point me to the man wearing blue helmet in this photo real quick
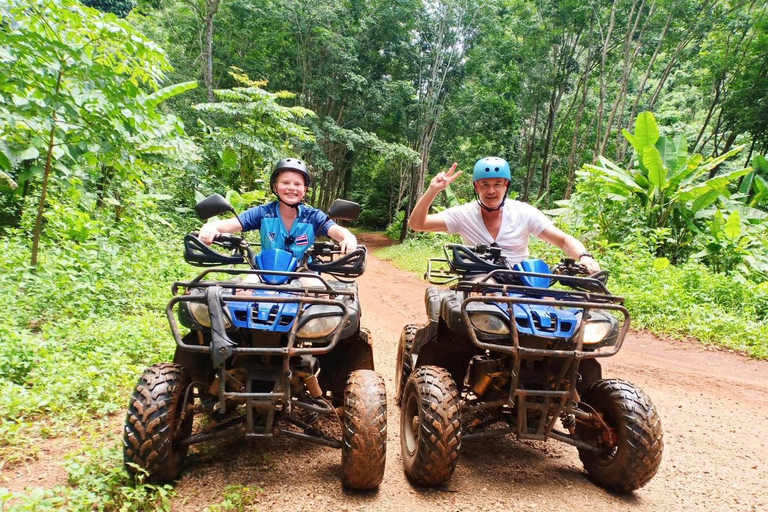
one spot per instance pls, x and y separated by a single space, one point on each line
492 219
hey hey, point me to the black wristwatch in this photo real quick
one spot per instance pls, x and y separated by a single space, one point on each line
585 253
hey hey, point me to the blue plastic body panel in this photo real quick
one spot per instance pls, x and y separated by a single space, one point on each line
537 320
276 259
268 316
536 266
264 316
544 321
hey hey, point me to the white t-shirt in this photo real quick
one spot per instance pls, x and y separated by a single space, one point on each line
519 222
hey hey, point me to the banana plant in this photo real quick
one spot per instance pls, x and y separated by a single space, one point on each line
665 180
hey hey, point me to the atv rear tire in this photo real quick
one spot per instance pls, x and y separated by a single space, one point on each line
364 448
635 425
153 427
430 426
404 361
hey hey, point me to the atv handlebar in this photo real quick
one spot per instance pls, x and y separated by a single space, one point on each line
200 255
327 258
570 267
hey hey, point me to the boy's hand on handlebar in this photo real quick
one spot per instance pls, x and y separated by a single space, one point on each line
348 243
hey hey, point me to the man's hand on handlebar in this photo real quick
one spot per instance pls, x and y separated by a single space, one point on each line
590 264
208 233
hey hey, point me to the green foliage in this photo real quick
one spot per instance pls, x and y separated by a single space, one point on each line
237 498
251 130
667 186
78 330
72 102
732 243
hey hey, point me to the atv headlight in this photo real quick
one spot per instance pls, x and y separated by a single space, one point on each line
490 324
199 312
319 327
595 332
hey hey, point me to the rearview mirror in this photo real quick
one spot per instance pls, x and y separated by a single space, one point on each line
212 206
342 209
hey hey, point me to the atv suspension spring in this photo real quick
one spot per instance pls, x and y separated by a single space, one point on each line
311 417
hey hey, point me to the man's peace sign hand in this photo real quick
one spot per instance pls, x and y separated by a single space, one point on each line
443 179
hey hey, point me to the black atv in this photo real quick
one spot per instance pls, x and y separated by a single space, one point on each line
272 348
515 350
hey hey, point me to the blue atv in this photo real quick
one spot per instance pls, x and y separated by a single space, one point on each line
515 350
272 346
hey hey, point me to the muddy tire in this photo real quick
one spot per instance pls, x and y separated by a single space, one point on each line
364 447
153 426
430 426
636 427
404 365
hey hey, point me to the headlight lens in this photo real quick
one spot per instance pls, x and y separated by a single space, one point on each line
488 323
595 332
319 327
199 312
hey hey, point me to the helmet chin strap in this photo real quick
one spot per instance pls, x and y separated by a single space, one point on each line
294 206
488 208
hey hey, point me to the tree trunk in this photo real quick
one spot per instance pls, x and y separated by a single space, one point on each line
212 6
46 175
529 155
641 89
606 40
628 63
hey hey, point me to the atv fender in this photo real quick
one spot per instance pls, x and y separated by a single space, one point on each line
432 298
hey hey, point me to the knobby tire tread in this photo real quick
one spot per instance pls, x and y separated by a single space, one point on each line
152 420
404 360
640 437
439 436
364 443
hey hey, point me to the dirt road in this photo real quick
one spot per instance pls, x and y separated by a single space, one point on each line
714 408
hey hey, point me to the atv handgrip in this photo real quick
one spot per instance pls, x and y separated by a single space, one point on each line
200 255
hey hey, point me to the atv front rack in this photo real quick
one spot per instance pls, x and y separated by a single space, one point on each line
221 347
197 282
538 402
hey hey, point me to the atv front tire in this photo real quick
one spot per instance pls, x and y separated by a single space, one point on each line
404 365
364 446
430 426
153 427
635 427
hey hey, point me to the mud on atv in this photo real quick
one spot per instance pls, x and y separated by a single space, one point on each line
472 373
274 348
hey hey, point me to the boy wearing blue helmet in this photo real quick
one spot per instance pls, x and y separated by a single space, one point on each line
492 219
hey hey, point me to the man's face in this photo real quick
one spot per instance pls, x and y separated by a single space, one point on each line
290 187
491 191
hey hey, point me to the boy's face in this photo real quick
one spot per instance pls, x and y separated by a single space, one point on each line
290 187
491 191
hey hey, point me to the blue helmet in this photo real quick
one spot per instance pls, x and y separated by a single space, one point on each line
491 167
